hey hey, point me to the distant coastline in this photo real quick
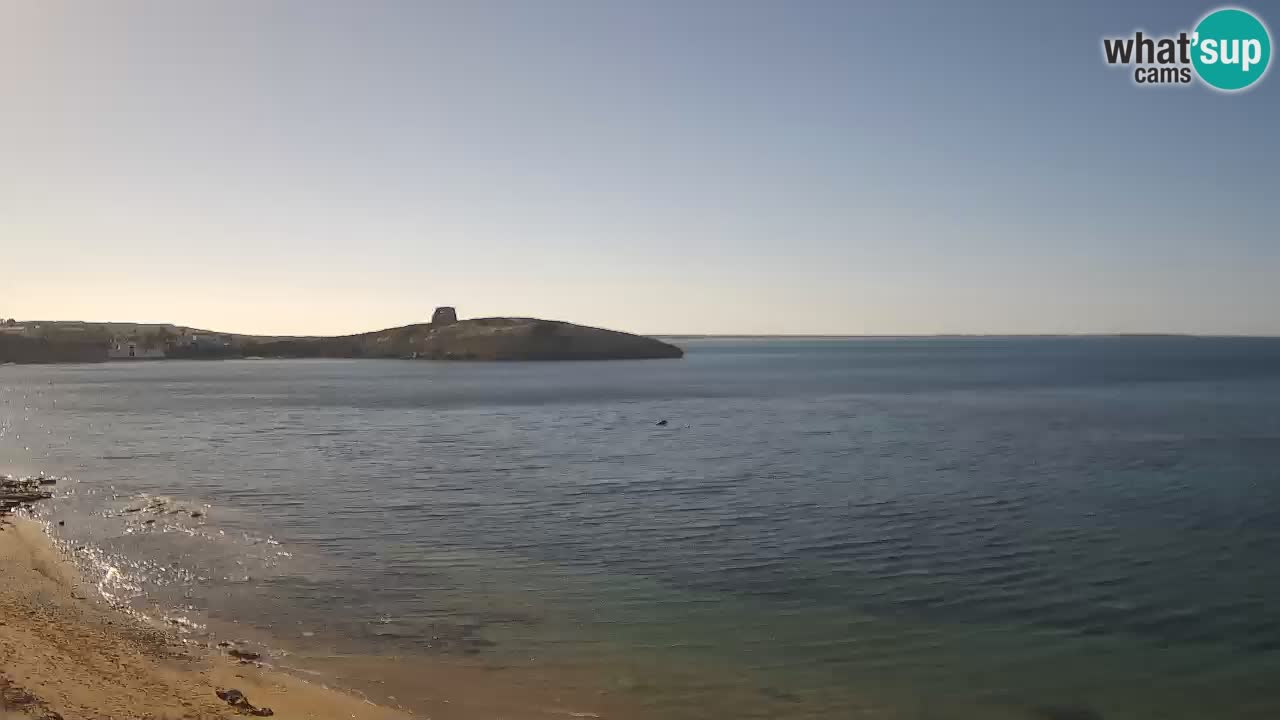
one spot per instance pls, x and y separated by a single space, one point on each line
444 338
953 336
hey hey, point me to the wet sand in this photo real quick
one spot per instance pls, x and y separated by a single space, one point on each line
65 654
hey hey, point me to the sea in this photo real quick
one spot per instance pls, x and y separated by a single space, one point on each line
925 528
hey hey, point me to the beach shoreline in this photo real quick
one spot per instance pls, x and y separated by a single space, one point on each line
64 654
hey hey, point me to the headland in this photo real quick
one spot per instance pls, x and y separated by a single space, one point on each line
445 337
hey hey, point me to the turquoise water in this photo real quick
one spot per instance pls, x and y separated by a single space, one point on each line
941 528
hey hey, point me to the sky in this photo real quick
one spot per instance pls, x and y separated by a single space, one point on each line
721 167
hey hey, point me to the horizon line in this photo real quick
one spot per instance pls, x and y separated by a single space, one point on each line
732 335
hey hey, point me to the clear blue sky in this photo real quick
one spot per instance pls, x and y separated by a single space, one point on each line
719 167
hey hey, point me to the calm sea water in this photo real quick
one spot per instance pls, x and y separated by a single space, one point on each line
918 528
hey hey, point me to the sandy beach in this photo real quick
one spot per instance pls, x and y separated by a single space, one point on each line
65 654
62 654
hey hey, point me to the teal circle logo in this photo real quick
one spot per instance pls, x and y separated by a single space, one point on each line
1231 49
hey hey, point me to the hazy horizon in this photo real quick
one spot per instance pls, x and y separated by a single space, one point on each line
375 327
719 168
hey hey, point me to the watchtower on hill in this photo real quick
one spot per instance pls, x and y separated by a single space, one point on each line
444 316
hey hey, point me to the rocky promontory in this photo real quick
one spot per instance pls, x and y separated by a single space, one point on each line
444 338
477 339
532 339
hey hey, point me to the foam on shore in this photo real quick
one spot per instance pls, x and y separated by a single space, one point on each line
66 650
63 652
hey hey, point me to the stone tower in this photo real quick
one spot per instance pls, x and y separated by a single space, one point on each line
444 316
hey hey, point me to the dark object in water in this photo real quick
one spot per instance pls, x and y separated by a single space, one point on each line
1066 712
244 655
662 422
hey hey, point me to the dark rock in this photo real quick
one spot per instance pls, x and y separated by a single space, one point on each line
13 697
231 697
246 655
237 700
662 423
15 492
